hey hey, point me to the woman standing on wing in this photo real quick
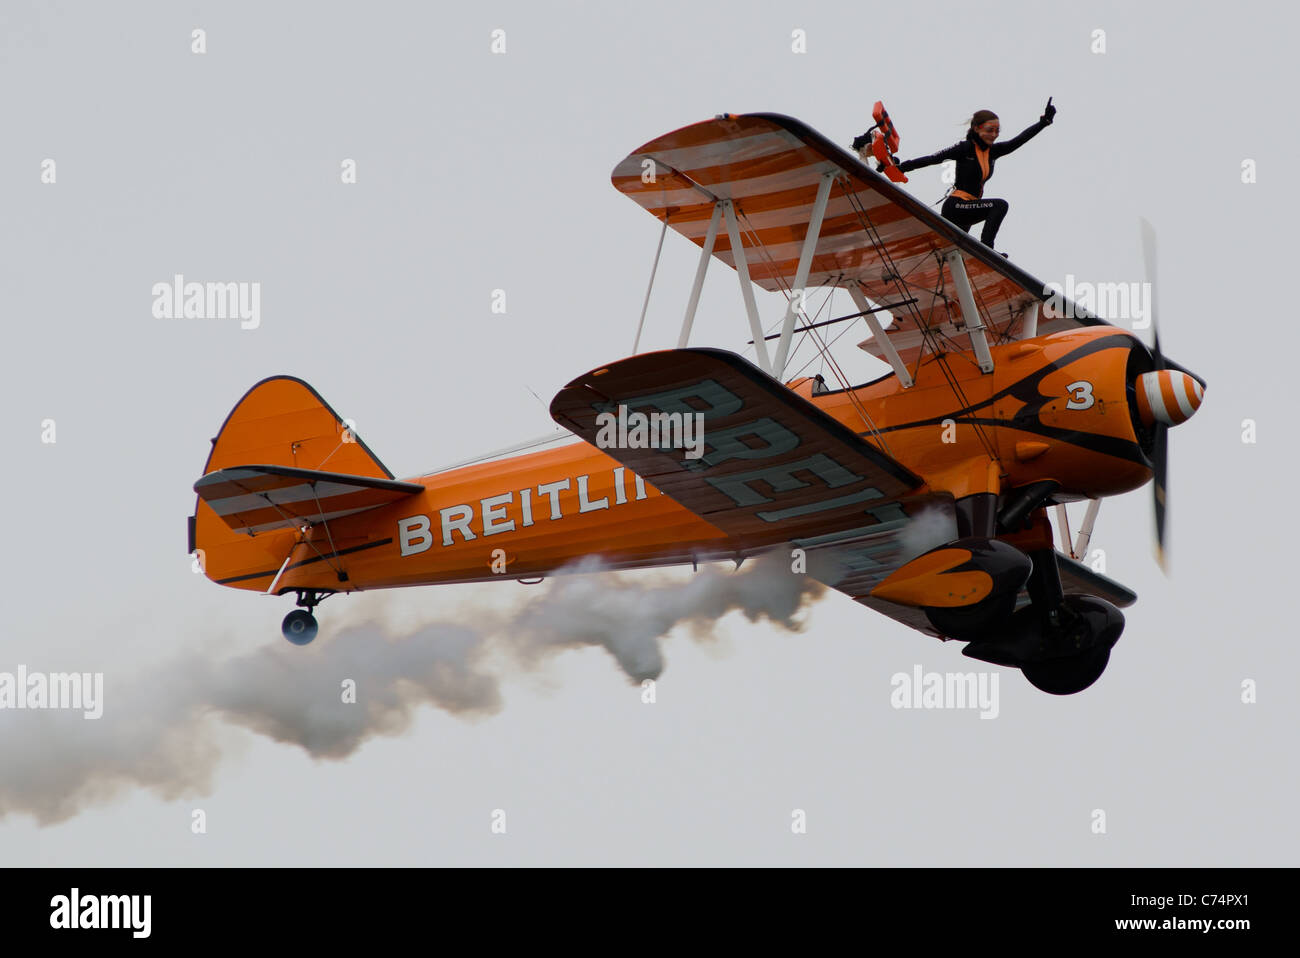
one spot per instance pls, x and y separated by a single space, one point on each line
965 205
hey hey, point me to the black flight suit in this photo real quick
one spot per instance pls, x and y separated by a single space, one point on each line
966 205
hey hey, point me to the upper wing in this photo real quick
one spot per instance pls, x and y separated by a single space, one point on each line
873 233
253 499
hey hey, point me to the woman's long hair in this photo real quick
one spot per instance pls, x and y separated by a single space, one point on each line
981 117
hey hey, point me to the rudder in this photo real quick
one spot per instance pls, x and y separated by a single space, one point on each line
281 421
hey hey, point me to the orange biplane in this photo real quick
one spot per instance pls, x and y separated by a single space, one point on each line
923 494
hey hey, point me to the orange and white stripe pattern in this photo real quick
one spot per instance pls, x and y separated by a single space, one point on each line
770 167
256 499
1167 396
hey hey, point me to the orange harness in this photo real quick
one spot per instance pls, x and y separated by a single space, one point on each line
981 154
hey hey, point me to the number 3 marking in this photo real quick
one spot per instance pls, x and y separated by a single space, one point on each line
1080 395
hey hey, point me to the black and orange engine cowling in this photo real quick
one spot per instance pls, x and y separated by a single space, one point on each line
1067 412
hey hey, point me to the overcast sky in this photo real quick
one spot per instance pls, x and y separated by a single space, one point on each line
481 171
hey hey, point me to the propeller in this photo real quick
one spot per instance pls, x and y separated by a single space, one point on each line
1166 397
1160 454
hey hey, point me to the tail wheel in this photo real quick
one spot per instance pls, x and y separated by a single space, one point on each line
1069 674
299 627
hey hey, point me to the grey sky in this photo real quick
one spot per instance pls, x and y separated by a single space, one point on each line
481 171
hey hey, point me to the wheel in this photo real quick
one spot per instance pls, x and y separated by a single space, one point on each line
1069 674
299 627
1063 659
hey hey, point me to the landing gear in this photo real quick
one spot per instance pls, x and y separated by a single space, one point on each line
1060 642
1069 674
1004 567
973 622
299 626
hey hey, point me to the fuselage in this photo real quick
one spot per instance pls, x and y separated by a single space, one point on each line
1057 407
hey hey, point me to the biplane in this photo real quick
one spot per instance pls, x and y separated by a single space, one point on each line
1001 403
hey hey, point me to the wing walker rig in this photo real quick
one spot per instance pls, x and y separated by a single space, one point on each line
923 494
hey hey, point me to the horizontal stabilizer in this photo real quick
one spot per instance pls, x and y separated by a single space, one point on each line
253 499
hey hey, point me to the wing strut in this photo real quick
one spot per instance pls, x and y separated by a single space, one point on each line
1029 320
1063 520
801 273
706 253
1085 530
746 287
970 315
878 334
636 344
1076 547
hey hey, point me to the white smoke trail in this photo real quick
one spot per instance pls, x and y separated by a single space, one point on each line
164 731
928 529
